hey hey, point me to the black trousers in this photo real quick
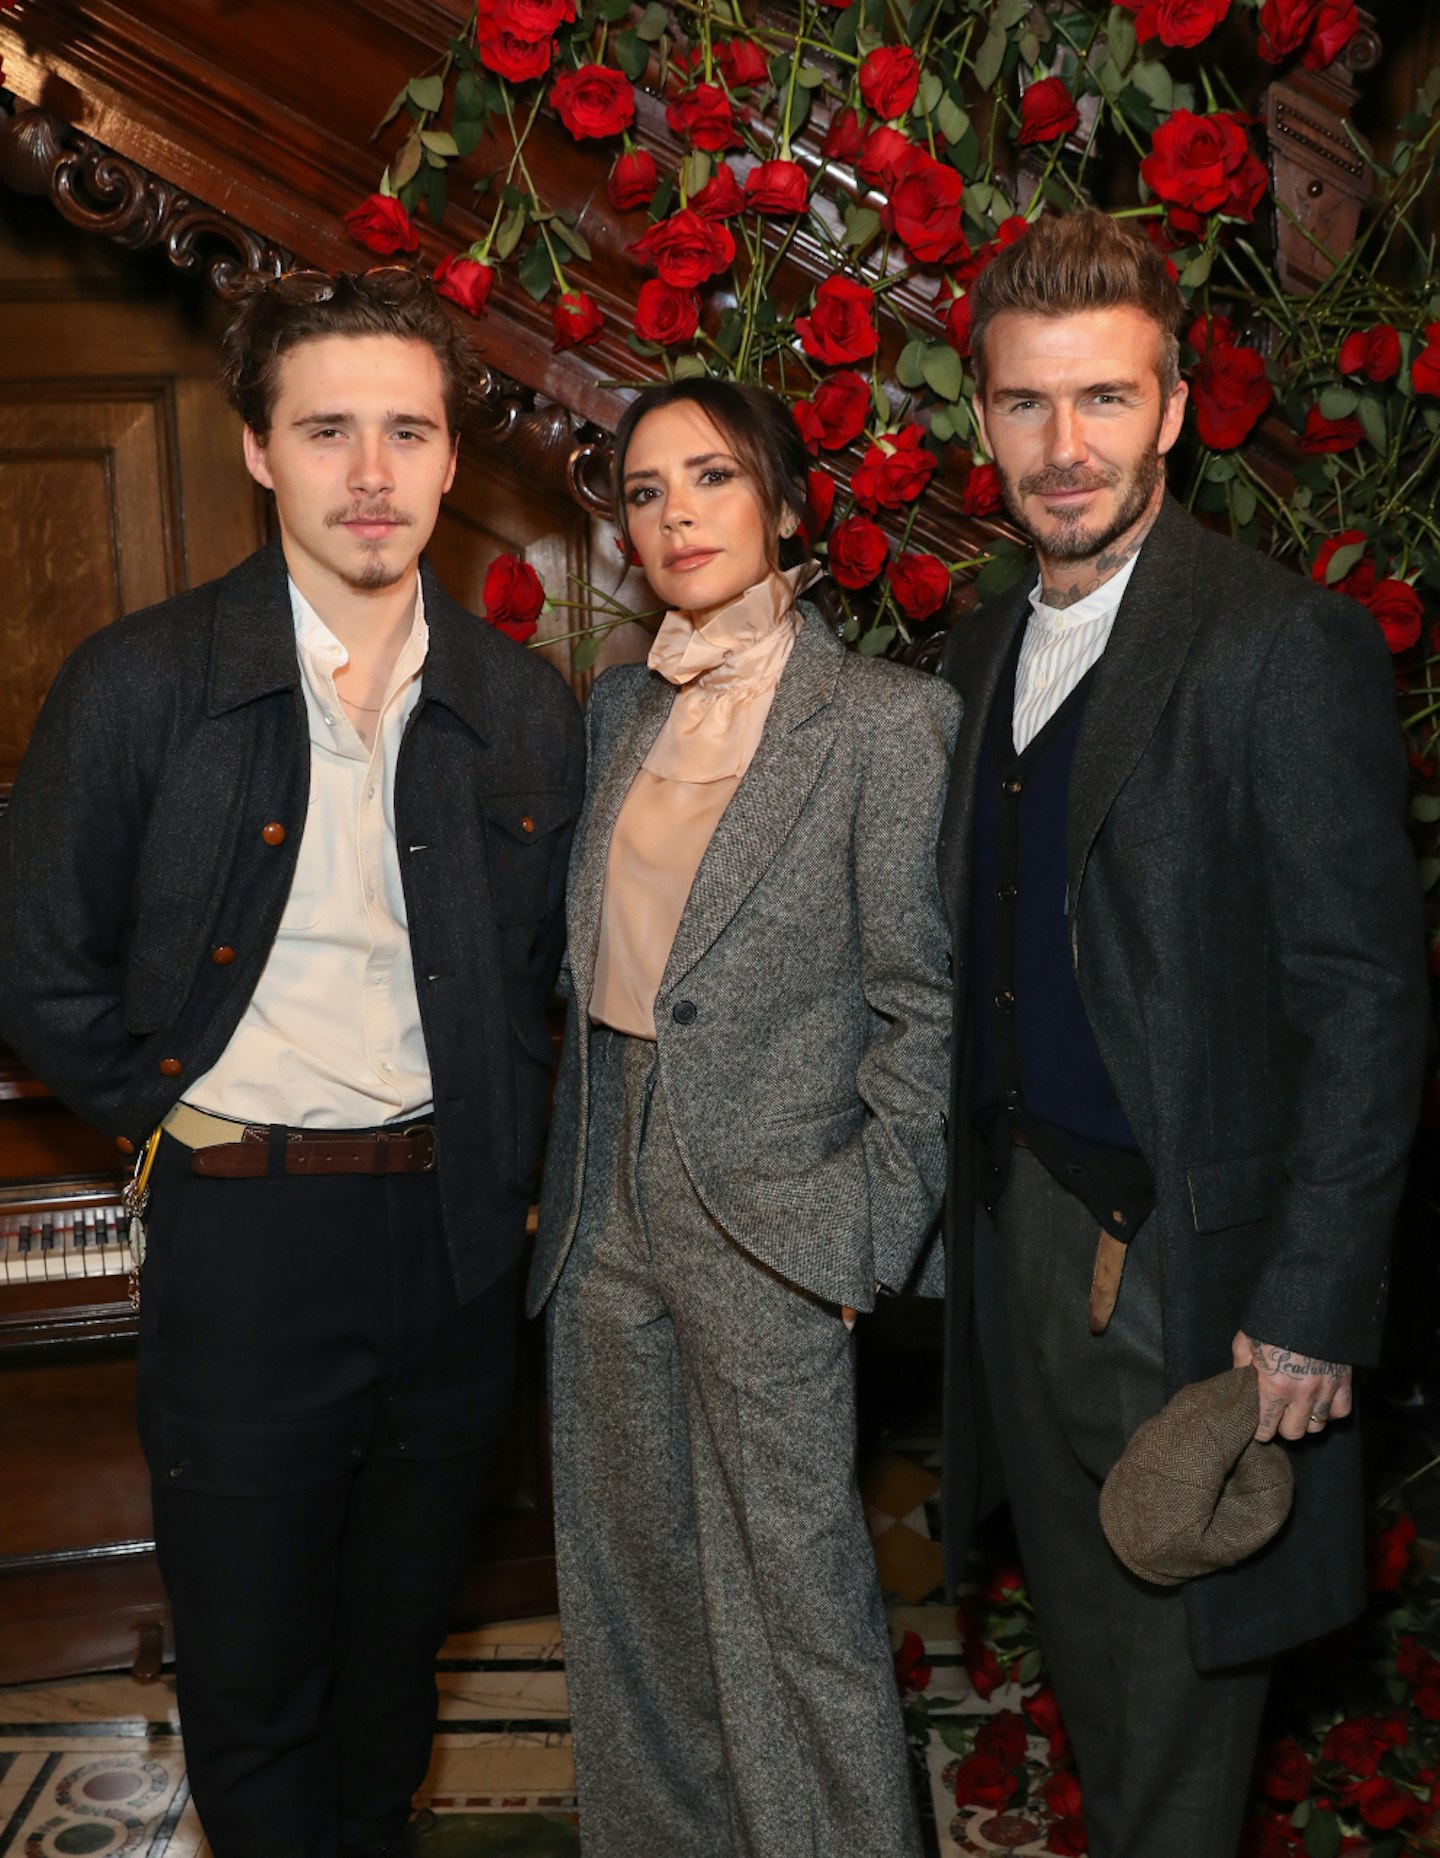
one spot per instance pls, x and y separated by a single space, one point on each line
1164 1750
317 1411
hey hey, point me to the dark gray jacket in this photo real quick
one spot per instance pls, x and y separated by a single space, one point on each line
1245 921
135 845
803 1016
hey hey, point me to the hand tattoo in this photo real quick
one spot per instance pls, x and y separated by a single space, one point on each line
1297 1367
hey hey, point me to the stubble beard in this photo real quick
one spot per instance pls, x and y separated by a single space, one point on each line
1071 540
375 573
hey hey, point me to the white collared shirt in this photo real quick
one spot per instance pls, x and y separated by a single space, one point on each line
1060 646
331 1038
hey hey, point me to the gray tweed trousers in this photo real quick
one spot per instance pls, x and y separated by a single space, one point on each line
731 1687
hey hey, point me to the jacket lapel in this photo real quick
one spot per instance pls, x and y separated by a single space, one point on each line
634 734
975 669
1153 630
770 797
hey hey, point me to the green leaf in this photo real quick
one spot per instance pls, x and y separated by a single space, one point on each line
508 235
652 22
690 368
631 54
800 109
861 225
695 170
1243 502
850 631
810 77
875 641
1120 38
942 370
1028 45
1425 808
426 93
467 135
1151 78
392 112
953 1733
942 427
575 239
1219 469
585 651
930 93
1342 561
843 33
950 118
1030 1665
1372 418
613 11
1196 272
440 142
535 272
469 102
1001 574
1110 79
1300 1818
910 367
1338 402
1009 13
406 164
1322 1836
990 57
434 193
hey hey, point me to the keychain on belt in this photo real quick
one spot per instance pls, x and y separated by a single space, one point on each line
135 1198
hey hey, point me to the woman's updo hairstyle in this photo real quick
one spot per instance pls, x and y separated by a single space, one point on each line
760 431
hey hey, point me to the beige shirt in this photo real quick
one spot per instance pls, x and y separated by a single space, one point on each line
727 671
331 1038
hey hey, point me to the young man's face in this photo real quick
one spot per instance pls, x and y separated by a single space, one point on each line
358 455
1075 418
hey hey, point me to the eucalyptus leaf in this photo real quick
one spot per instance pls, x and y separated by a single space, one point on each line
1342 561
910 367
931 91
1338 402
695 171
406 164
535 271
942 371
990 57
585 651
861 225
1197 271
1243 501
469 100
1372 418
690 368
950 119
875 641
426 93
440 142
1120 38
576 240
652 22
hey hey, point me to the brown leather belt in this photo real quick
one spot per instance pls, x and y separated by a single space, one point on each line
405 1151
1108 1271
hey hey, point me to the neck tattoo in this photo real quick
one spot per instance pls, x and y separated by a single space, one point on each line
1088 575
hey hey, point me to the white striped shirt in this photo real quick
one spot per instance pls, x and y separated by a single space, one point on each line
1059 647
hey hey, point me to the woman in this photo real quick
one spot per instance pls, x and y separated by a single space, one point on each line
748 1141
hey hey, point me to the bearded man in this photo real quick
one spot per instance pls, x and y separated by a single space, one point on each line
1190 1004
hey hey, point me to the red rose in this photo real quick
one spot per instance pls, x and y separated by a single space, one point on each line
845 137
1427 1701
981 1780
889 81
981 495
1176 22
1375 353
632 180
883 158
840 327
594 101
1285 25
1068 1837
973 263
1062 1796
1264 1838
1003 1736
1282 1771
742 61
528 19
1329 435
857 553
720 197
509 56
957 316
1412 1661
1007 1580
912 1674
686 249
1047 111
1389 1549
577 319
513 597
894 471
837 413
920 583
702 116
1205 164
382 225
777 187
1335 26
464 281
820 499
923 211
1425 368
1360 1745
1397 607
1044 1714
1230 395
1202 334
1381 1803
1357 582
982 1667
664 314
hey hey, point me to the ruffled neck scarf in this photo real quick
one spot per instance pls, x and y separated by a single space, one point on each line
726 671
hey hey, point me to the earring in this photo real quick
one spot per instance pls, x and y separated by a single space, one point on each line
788 528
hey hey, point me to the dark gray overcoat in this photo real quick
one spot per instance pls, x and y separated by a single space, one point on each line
1245 923
136 844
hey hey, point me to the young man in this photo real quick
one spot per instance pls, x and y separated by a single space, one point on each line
1189 1014
283 874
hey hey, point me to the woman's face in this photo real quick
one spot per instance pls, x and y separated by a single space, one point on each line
695 515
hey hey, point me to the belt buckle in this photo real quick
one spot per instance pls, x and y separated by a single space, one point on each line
414 1129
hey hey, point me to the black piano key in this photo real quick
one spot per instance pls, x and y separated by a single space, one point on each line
47 1235
23 1236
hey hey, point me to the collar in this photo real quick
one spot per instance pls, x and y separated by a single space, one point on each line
742 636
1103 603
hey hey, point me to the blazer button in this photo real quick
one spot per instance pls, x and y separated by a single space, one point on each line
527 824
1012 786
1005 999
222 956
170 1067
684 1012
274 833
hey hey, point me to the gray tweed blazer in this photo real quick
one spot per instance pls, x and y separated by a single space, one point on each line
803 1018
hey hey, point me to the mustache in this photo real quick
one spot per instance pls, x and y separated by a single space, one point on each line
368 513
1044 483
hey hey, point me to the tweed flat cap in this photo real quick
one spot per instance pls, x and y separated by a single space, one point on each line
1193 1491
